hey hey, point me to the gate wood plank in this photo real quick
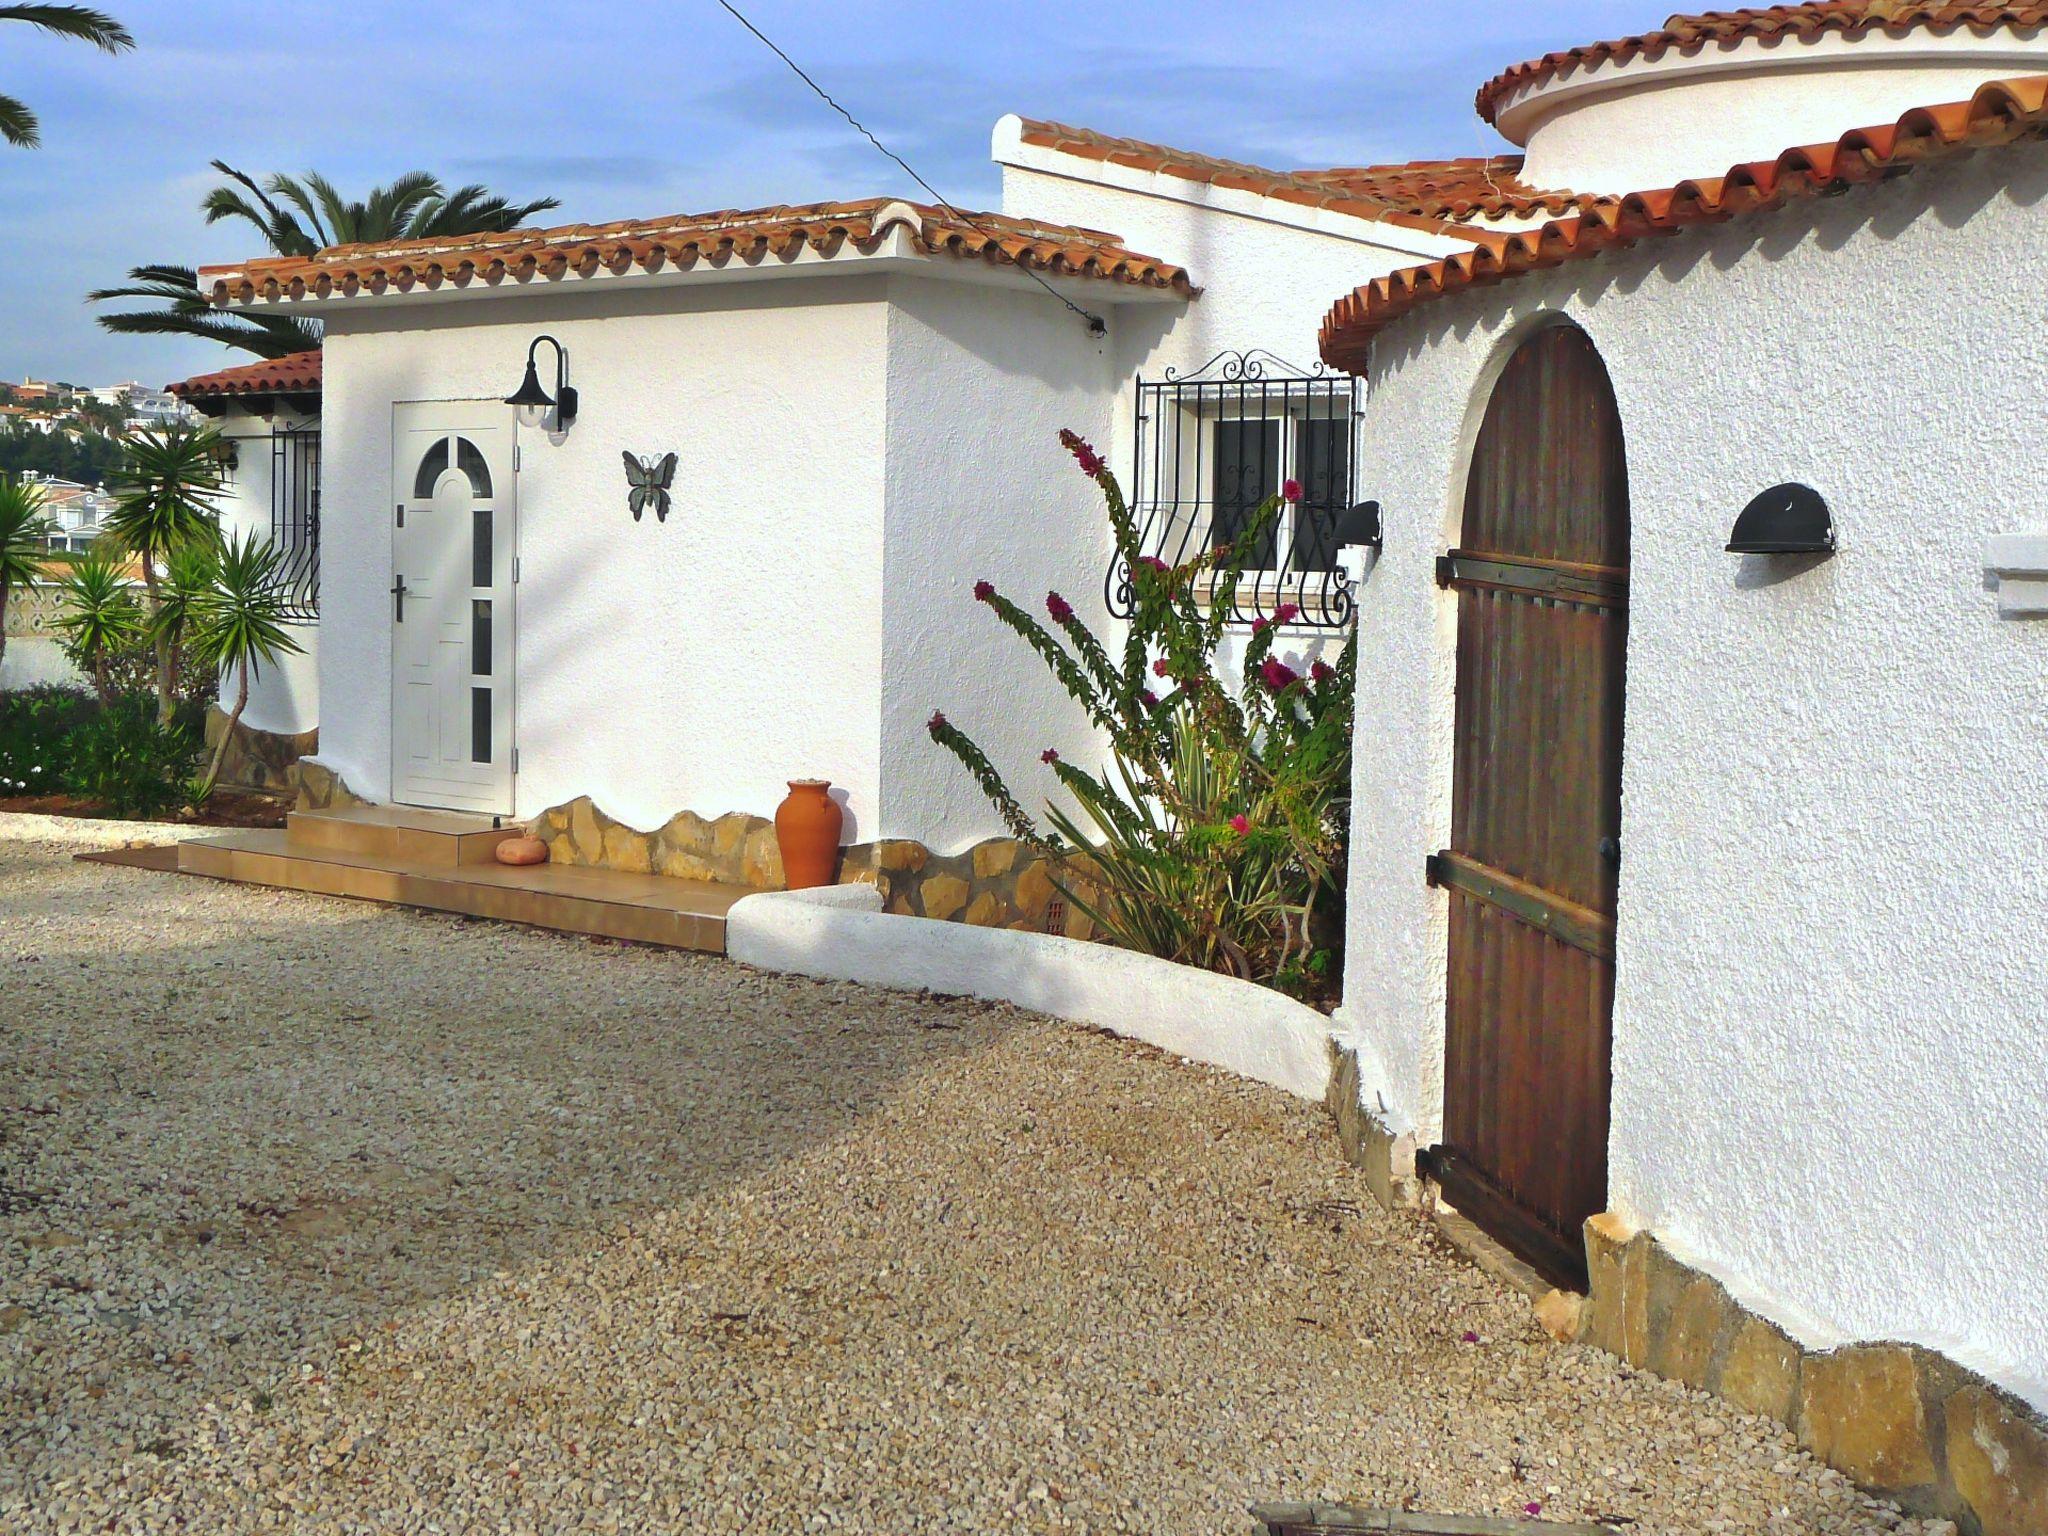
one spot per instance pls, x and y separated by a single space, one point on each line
1344 1520
1541 573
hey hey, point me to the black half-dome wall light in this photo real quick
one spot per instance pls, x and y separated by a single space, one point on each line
1785 520
534 403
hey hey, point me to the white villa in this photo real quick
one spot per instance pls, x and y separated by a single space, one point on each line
1676 469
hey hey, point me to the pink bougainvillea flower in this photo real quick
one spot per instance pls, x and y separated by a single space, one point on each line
1322 671
1471 1337
937 723
1154 563
1240 824
1278 674
1049 755
1532 1509
984 590
1090 461
1261 625
1061 610
1287 613
1291 490
1161 668
1151 699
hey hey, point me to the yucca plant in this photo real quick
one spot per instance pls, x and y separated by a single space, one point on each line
100 617
238 624
1218 828
24 537
164 496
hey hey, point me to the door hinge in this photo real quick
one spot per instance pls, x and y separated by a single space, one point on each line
401 514
518 458
515 759
515 570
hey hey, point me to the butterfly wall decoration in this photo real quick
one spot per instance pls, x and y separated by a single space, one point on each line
647 484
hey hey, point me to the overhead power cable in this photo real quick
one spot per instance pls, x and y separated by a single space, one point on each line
1096 324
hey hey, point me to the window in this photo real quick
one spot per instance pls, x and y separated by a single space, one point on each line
295 518
1214 445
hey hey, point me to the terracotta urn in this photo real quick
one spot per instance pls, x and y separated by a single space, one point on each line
807 826
522 850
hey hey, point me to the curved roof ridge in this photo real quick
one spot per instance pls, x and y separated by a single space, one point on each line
1999 113
1690 32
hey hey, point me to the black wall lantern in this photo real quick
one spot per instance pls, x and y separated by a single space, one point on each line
1361 525
533 402
1785 520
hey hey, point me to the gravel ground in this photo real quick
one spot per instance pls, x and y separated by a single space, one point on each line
316 1217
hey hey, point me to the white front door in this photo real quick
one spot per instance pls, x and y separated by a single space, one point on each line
451 605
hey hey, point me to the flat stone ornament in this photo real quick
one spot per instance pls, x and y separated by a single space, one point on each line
1345 1520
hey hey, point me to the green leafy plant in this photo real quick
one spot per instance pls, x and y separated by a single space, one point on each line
38 727
164 506
238 623
24 534
101 621
1216 834
130 762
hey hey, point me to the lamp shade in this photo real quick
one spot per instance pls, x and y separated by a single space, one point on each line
530 396
1785 520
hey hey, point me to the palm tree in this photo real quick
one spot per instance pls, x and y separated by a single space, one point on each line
163 504
18 125
238 623
298 216
100 617
24 533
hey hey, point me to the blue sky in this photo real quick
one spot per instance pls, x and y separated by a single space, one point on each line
663 106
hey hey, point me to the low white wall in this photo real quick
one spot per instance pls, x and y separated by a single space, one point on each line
1833 928
841 934
32 662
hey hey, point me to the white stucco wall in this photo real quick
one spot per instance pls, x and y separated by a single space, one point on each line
694 664
33 662
980 383
1635 125
1828 1022
284 696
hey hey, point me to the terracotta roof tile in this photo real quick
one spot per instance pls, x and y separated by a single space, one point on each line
1690 33
519 256
1431 195
1997 114
298 373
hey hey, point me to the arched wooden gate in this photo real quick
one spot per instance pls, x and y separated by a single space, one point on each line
1542 581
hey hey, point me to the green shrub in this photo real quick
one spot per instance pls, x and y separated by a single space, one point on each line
1216 836
37 729
123 759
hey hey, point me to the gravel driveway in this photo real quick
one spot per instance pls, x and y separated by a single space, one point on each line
319 1217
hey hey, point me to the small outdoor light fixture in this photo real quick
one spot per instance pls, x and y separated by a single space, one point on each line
533 402
1785 520
1361 525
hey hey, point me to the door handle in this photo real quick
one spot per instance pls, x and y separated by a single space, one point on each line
398 591
1610 850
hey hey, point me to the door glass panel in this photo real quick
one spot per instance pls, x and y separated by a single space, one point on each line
470 460
480 725
480 638
433 465
1247 472
1322 459
480 547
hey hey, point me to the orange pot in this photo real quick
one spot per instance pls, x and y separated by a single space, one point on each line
807 827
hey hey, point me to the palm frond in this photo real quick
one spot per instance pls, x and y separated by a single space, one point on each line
79 21
284 232
18 125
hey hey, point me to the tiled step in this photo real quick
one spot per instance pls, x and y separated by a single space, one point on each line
398 833
641 909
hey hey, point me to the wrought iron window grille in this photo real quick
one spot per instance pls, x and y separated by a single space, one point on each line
295 518
1215 443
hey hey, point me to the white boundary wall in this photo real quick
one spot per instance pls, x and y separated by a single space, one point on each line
841 934
1829 1022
